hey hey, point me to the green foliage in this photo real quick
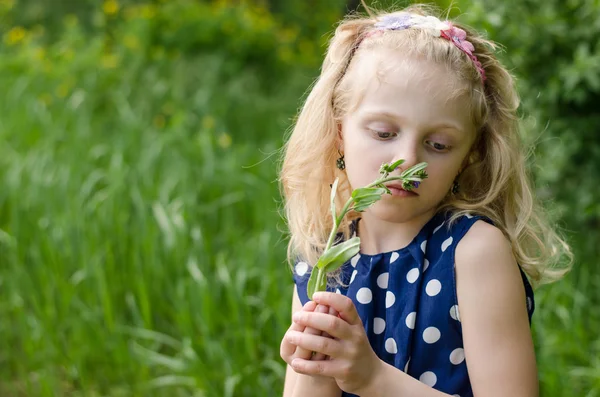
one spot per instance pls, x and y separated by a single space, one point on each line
553 49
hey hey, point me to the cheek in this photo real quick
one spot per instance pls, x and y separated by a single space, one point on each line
443 174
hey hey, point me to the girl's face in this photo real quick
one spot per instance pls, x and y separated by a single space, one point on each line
411 112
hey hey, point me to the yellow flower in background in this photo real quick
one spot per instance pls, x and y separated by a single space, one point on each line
109 61
224 140
7 4
148 11
64 89
110 7
15 35
71 21
132 42
39 53
208 123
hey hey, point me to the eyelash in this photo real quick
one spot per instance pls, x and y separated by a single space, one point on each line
445 148
432 144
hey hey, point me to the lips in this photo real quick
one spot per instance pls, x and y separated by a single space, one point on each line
398 186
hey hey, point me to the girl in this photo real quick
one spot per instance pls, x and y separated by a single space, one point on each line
438 302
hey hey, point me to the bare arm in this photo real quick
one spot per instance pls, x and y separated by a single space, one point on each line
497 339
298 385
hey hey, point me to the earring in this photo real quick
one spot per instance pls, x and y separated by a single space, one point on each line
340 163
455 187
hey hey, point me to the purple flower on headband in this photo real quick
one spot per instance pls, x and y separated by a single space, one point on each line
394 22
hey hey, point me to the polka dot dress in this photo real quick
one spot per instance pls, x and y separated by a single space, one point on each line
407 302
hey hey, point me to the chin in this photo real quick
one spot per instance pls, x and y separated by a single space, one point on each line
398 213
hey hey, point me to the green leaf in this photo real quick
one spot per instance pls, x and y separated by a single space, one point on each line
395 165
339 254
364 197
388 168
414 169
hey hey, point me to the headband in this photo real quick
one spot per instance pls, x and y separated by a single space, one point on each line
432 25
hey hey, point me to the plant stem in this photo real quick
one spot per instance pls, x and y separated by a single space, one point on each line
346 208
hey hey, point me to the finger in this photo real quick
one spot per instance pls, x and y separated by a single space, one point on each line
321 368
308 354
332 325
343 304
309 306
332 312
316 355
286 349
317 343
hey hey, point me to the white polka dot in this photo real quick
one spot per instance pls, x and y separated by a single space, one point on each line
390 346
469 216
354 273
439 227
364 295
301 268
456 395
382 280
410 320
433 287
337 291
431 335
454 313
354 260
446 243
425 264
390 298
424 246
428 378
378 325
412 275
406 366
394 257
457 356
529 303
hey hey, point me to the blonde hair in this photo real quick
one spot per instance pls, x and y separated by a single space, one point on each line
494 181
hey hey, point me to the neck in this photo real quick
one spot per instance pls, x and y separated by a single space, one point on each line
378 235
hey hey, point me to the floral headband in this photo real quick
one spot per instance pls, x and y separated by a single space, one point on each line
431 24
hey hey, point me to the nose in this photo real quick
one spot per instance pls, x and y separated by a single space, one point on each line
407 150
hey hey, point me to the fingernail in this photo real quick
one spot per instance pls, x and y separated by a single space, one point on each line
322 309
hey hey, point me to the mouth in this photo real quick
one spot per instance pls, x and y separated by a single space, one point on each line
397 190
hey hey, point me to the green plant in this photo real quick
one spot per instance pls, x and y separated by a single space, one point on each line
335 256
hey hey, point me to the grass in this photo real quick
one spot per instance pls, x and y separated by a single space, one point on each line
141 251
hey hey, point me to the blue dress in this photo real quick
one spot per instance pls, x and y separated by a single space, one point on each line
407 302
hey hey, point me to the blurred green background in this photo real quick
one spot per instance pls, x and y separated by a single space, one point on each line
142 251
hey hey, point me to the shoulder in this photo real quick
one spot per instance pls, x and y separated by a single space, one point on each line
493 313
486 267
483 240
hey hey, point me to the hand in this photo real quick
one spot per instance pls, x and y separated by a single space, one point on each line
289 351
352 363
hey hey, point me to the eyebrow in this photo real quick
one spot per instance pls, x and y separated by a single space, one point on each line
397 117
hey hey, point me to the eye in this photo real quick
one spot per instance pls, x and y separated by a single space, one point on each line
384 135
438 146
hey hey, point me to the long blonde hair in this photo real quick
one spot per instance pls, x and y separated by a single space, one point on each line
494 183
